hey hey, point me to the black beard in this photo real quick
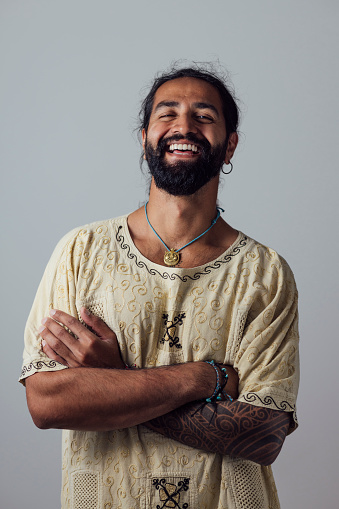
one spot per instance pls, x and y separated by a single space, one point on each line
184 178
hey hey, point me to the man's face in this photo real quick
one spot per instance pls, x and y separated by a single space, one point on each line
185 145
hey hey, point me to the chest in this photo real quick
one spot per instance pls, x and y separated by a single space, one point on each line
161 320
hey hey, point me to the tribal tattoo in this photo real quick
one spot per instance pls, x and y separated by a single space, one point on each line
229 428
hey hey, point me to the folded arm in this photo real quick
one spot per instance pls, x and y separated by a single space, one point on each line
96 399
104 399
233 428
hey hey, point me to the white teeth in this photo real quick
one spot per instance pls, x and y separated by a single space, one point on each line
184 146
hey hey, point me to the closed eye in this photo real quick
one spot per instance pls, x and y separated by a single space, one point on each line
205 119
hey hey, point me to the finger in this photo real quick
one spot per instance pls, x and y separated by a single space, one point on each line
60 332
74 326
96 324
51 354
54 335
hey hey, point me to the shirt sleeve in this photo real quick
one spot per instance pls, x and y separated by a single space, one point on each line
268 357
56 290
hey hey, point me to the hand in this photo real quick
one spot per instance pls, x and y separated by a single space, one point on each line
97 349
232 386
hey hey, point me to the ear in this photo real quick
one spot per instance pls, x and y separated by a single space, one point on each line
231 146
144 137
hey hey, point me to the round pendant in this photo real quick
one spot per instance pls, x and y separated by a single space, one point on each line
171 258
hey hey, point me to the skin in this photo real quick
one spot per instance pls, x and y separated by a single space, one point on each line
96 393
94 401
232 428
178 219
188 105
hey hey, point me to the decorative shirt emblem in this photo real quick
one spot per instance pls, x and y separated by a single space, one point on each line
171 330
169 493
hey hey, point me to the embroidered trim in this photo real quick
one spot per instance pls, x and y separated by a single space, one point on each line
268 400
39 365
165 275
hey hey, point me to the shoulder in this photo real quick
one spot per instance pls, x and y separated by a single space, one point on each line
258 252
92 231
266 263
83 240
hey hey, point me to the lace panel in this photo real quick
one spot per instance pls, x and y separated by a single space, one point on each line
238 331
97 309
248 485
85 490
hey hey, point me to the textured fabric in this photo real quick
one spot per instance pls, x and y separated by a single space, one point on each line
240 309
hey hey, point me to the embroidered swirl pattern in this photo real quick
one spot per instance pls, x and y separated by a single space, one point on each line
165 275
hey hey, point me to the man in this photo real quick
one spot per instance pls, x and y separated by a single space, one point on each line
208 331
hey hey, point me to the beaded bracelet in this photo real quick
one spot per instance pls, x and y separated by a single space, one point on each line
220 385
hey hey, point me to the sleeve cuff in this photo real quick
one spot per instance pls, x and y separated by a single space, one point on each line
30 367
277 401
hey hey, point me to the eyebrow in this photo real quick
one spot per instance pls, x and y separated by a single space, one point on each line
174 104
205 106
168 104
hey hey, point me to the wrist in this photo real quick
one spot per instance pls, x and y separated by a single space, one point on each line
205 380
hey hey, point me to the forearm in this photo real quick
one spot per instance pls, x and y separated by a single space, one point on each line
229 428
105 399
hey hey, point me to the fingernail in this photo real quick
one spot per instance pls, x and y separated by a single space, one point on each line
42 328
43 342
44 320
86 311
52 312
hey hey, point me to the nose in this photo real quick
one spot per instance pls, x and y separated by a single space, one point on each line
184 124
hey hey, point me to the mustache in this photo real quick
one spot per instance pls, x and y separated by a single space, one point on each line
190 137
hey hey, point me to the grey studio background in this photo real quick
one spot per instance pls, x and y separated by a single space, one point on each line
71 76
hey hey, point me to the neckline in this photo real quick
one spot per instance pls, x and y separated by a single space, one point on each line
172 272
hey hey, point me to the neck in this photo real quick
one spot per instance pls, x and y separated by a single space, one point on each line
178 219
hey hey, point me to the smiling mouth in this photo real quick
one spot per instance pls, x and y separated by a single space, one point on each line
183 148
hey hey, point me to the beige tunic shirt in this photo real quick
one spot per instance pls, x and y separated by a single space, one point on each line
240 309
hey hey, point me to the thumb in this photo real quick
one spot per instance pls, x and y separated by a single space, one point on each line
97 325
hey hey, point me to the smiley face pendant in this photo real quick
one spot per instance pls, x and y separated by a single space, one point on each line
171 258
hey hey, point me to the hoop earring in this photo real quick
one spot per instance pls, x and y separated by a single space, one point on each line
227 172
